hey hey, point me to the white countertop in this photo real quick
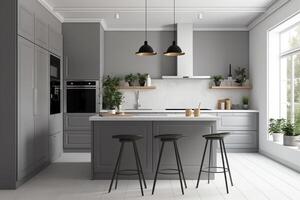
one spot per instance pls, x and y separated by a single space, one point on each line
155 117
182 111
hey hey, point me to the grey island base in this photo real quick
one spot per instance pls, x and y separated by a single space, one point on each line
105 149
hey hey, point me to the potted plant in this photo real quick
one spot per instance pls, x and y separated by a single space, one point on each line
290 137
112 97
275 128
245 101
130 79
217 80
142 79
240 75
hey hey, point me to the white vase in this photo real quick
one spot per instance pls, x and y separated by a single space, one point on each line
148 81
113 112
277 137
290 140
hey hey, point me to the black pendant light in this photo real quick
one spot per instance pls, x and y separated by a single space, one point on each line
145 50
174 49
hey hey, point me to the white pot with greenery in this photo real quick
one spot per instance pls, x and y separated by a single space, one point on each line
275 129
290 137
245 101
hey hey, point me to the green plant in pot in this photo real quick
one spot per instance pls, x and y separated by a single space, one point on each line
142 79
275 128
112 97
217 80
130 79
240 75
245 101
290 136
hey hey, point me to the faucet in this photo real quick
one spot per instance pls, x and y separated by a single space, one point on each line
137 99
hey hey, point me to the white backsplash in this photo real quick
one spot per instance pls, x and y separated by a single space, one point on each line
181 93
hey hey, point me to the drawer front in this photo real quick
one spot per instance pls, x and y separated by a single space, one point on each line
237 121
241 140
77 140
77 122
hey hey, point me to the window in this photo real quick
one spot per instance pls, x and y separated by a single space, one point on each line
290 74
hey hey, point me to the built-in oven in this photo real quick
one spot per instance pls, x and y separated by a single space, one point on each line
55 85
82 96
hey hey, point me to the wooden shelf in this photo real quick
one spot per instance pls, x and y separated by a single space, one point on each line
136 87
232 87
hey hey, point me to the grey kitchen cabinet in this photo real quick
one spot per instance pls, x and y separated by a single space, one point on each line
41 33
189 145
41 105
82 50
106 148
243 128
77 132
26 23
55 124
56 145
33 108
55 42
26 158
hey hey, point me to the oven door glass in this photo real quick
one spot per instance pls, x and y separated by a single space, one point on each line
81 100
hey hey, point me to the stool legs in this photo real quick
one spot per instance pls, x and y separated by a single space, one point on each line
178 168
227 162
116 167
209 160
180 164
138 168
224 168
140 164
158 164
201 166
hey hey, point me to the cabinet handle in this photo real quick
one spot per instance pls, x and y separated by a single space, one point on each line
67 66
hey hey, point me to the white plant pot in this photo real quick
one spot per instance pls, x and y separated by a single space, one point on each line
277 137
113 112
290 140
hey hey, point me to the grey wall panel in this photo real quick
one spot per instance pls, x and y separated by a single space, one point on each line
215 50
8 86
120 58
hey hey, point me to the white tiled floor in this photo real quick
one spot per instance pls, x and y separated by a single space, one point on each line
255 177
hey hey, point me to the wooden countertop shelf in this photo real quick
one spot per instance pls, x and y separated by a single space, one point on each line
232 87
136 87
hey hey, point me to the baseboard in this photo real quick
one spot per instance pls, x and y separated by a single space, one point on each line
77 150
31 175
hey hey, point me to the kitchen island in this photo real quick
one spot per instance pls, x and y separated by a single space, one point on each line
105 149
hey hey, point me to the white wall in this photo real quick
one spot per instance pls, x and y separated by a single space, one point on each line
182 93
258 74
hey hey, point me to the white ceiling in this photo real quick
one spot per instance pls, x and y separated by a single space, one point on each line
217 14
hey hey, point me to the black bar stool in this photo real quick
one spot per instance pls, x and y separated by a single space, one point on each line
170 138
139 171
211 138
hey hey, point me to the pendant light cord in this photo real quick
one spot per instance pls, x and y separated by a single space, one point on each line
146 13
174 23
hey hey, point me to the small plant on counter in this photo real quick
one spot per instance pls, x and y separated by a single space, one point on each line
217 79
142 79
112 97
245 101
275 128
130 79
240 75
290 137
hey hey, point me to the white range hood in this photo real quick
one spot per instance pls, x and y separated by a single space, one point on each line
185 63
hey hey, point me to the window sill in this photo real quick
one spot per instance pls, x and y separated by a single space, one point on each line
294 148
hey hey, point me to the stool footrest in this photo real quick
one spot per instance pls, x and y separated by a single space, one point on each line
168 173
214 172
127 172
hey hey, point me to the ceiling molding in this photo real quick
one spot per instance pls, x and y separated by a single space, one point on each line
273 8
245 28
161 10
171 29
46 5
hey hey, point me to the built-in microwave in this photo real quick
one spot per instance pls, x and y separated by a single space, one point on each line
55 85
